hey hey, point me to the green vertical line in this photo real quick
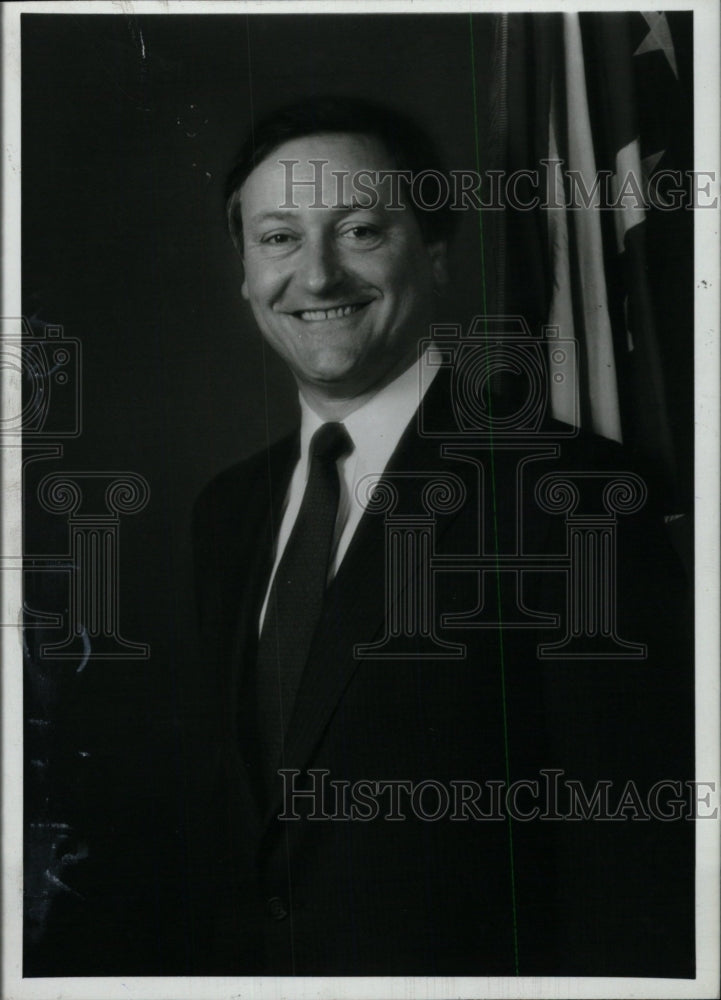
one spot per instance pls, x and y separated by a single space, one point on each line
495 513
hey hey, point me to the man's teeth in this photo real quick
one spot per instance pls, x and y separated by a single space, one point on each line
338 313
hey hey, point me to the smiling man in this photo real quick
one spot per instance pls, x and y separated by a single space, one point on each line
341 292
343 289
355 822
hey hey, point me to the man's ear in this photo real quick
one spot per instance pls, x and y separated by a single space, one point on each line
244 286
438 254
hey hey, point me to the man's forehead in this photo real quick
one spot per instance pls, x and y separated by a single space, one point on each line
322 171
358 149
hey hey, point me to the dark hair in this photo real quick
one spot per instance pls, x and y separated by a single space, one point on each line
408 144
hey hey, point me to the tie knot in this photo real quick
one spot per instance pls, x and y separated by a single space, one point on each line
330 442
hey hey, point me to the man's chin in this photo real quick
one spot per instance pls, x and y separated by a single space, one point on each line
340 377
334 380
327 366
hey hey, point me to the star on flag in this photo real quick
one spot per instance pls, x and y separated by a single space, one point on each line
658 38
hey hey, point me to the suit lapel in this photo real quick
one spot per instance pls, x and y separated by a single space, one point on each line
261 518
355 605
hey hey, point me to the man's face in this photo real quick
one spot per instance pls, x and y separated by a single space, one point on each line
342 293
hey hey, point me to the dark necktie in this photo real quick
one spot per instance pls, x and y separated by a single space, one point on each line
296 597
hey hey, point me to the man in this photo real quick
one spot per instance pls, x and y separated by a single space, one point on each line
368 706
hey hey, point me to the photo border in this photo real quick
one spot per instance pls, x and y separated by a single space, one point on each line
708 505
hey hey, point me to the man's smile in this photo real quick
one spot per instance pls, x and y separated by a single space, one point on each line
332 312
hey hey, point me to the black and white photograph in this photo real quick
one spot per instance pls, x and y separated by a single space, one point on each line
360 500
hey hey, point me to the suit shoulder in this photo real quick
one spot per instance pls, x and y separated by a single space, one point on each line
231 486
585 449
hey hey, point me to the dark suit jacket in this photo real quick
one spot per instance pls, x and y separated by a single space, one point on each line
418 896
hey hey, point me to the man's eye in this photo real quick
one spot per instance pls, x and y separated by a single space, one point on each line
277 239
362 233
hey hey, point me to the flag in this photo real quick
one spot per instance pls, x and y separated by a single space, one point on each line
597 104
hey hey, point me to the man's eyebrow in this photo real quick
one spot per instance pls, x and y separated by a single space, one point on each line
278 213
285 213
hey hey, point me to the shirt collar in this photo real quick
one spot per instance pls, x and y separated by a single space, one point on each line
376 427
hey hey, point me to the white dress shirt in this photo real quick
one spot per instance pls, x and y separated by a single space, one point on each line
375 429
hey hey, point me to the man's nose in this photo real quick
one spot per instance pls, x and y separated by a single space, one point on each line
321 267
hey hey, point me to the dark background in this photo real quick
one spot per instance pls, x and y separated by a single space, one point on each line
129 127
